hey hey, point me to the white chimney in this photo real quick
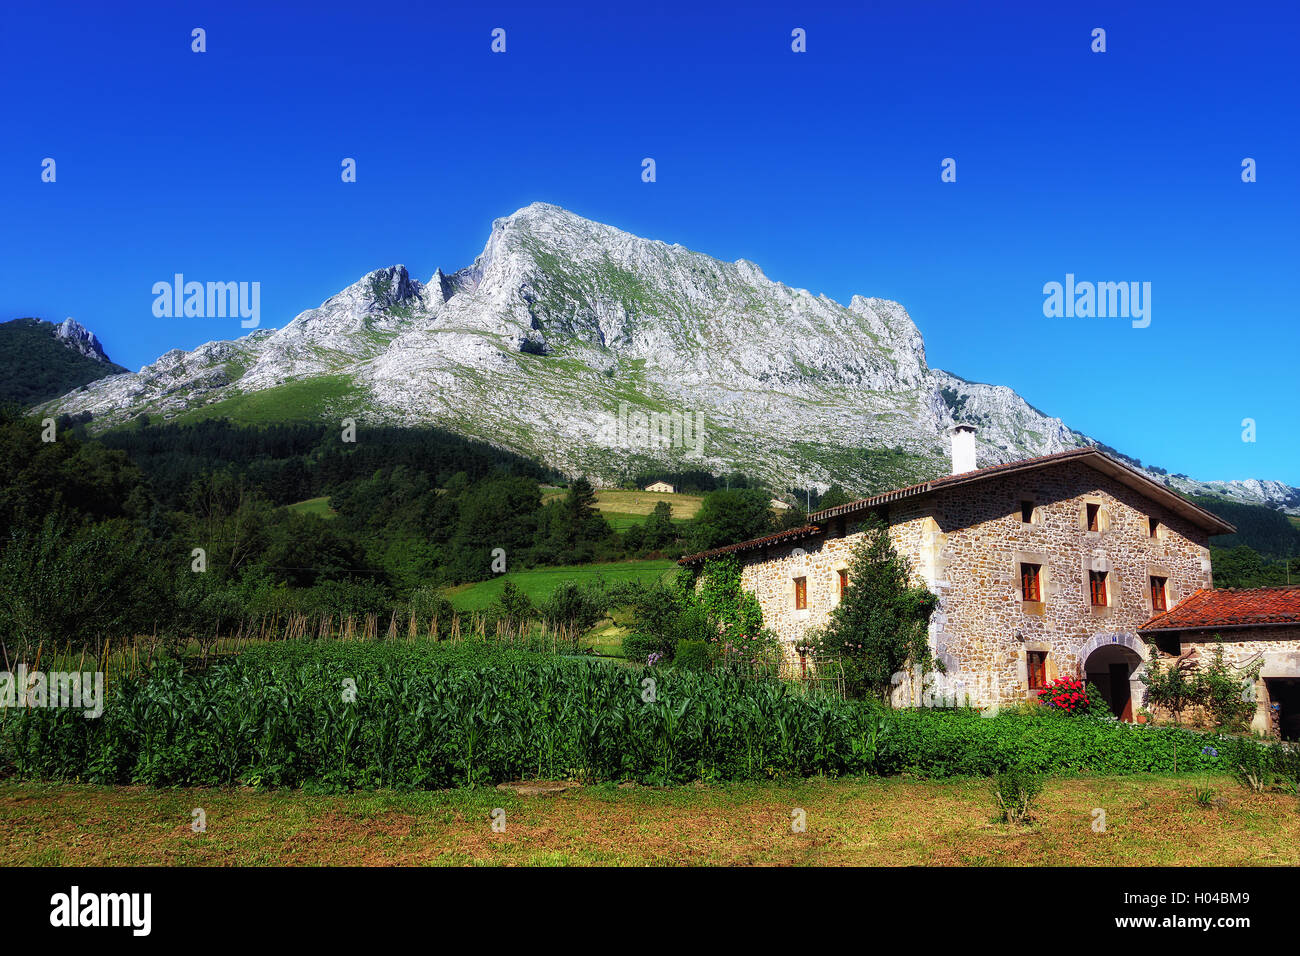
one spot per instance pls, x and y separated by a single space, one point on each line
963 448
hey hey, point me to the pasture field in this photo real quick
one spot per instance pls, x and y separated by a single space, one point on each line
539 583
314 506
636 504
1150 821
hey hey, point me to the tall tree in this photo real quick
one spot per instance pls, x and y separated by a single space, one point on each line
880 626
730 515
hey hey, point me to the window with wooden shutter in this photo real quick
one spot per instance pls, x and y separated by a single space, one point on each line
1030 589
1097 585
800 594
1094 517
843 575
1158 601
1037 663
1026 511
1153 527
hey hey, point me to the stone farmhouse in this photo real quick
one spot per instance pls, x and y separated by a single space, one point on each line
1071 564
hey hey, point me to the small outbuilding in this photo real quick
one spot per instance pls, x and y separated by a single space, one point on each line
1258 626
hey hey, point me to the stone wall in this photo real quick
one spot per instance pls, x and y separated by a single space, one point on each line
1275 647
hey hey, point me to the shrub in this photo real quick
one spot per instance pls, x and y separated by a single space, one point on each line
1263 768
426 604
638 646
513 606
693 655
575 606
1015 792
1228 693
1069 695
1172 685
933 743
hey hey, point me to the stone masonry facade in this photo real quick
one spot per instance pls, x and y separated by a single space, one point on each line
1275 649
968 543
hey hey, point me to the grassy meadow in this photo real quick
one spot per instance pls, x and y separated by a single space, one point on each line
1150 821
314 506
622 509
538 583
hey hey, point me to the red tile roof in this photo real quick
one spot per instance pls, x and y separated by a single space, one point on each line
1091 456
1230 607
790 534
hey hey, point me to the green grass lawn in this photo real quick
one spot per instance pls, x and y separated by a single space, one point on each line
540 582
1149 821
314 506
621 521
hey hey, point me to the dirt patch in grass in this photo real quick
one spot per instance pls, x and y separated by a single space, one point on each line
1090 822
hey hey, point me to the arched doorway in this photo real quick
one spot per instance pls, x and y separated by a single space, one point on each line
1112 663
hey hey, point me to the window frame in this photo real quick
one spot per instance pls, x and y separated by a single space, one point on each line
1163 591
801 593
1091 516
1036 577
1036 661
1097 581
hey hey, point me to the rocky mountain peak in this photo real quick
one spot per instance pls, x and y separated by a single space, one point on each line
80 339
562 327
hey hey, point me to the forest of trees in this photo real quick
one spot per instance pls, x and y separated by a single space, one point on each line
1265 551
105 535
35 366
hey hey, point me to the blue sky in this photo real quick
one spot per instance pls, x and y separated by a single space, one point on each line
822 167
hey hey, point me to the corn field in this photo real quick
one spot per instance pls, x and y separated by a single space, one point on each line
137 657
422 714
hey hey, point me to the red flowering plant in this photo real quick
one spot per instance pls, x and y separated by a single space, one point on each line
1071 696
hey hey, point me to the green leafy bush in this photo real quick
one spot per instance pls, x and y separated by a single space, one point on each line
958 743
693 655
638 646
1261 769
1226 691
575 606
1069 695
1015 792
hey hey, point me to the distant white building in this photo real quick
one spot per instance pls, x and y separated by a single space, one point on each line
662 487
779 505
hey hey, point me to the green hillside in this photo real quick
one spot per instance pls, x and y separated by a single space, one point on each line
539 583
1271 533
623 509
35 366
307 400
314 506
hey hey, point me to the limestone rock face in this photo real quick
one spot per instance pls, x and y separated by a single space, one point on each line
564 334
80 339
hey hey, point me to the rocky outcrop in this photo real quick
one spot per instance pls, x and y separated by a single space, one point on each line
80 339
